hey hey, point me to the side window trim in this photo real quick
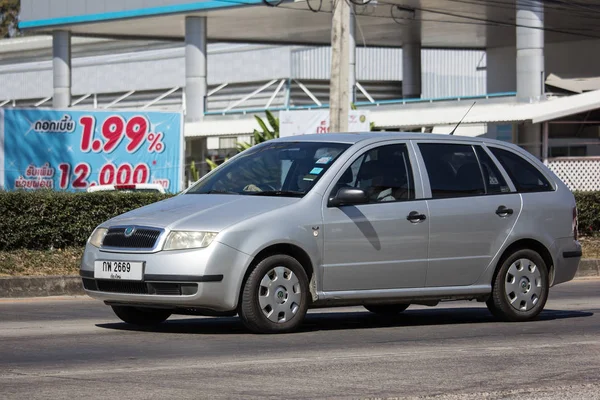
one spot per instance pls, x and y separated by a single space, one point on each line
485 184
509 182
549 179
418 188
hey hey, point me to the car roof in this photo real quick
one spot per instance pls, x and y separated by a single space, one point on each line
353 138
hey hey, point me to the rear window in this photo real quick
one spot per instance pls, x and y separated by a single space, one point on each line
524 175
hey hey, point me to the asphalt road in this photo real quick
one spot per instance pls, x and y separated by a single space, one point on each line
72 348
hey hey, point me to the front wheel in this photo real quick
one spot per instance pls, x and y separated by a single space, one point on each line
520 289
141 315
275 295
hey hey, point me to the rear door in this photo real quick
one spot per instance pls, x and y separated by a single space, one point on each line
473 207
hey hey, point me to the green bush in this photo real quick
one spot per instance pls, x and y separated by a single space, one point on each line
588 212
42 220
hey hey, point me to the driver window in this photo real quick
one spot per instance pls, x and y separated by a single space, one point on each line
384 173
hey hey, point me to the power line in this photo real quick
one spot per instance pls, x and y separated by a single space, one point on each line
486 21
467 19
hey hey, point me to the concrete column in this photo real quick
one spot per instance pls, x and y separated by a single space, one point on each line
352 58
411 60
530 66
195 68
545 144
411 70
61 69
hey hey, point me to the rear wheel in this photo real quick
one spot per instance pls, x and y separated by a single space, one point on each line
275 295
520 289
141 315
387 309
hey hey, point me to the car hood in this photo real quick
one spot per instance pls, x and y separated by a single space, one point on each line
207 212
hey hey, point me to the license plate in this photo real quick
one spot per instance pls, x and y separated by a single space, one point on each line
119 270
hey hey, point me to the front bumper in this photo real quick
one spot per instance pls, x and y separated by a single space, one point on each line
208 278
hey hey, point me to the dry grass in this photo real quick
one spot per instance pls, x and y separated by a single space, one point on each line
66 261
36 262
591 246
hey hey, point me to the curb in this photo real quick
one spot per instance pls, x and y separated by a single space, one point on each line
588 267
40 286
70 285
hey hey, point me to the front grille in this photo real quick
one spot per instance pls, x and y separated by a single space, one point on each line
142 238
166 289
122 287
128 287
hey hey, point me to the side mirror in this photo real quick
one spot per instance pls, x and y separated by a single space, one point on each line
348 196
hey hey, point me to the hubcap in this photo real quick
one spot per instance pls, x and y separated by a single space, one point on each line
279 294
523 285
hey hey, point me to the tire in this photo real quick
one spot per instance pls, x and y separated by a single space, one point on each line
520 288
141 315
275 296
387 309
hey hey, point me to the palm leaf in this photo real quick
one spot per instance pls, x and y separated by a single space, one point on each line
274 122
211 164
262 124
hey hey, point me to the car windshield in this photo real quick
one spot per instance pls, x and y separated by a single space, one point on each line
273 169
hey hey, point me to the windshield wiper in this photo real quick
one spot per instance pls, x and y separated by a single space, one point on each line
215 191
283 193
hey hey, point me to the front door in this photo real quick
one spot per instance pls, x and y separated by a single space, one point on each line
374 245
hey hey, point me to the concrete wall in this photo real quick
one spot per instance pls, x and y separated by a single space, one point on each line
566 59
45 9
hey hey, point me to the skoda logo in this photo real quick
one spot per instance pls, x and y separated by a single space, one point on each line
129 231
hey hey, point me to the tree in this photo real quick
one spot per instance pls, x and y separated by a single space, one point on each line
266 132
9 18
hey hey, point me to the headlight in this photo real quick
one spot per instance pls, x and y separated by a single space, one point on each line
178 240
97 237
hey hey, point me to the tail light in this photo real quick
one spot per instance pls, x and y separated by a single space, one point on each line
575 222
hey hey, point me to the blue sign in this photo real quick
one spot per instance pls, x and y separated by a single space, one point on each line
73 150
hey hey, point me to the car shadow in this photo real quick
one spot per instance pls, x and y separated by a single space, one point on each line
333 321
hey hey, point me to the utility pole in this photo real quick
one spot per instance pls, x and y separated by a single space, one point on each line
339 99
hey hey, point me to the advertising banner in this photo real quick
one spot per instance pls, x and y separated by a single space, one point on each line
73 150
304 122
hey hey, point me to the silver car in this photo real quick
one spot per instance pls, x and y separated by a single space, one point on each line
382 220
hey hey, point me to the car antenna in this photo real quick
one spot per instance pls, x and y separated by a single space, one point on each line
459 122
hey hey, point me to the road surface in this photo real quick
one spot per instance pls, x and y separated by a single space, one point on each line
71 348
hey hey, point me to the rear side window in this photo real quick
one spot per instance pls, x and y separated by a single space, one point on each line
524 175
453 170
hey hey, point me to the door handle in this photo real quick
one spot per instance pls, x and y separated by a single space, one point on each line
503 211
415 216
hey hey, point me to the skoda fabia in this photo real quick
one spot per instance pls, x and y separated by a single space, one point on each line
378 220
